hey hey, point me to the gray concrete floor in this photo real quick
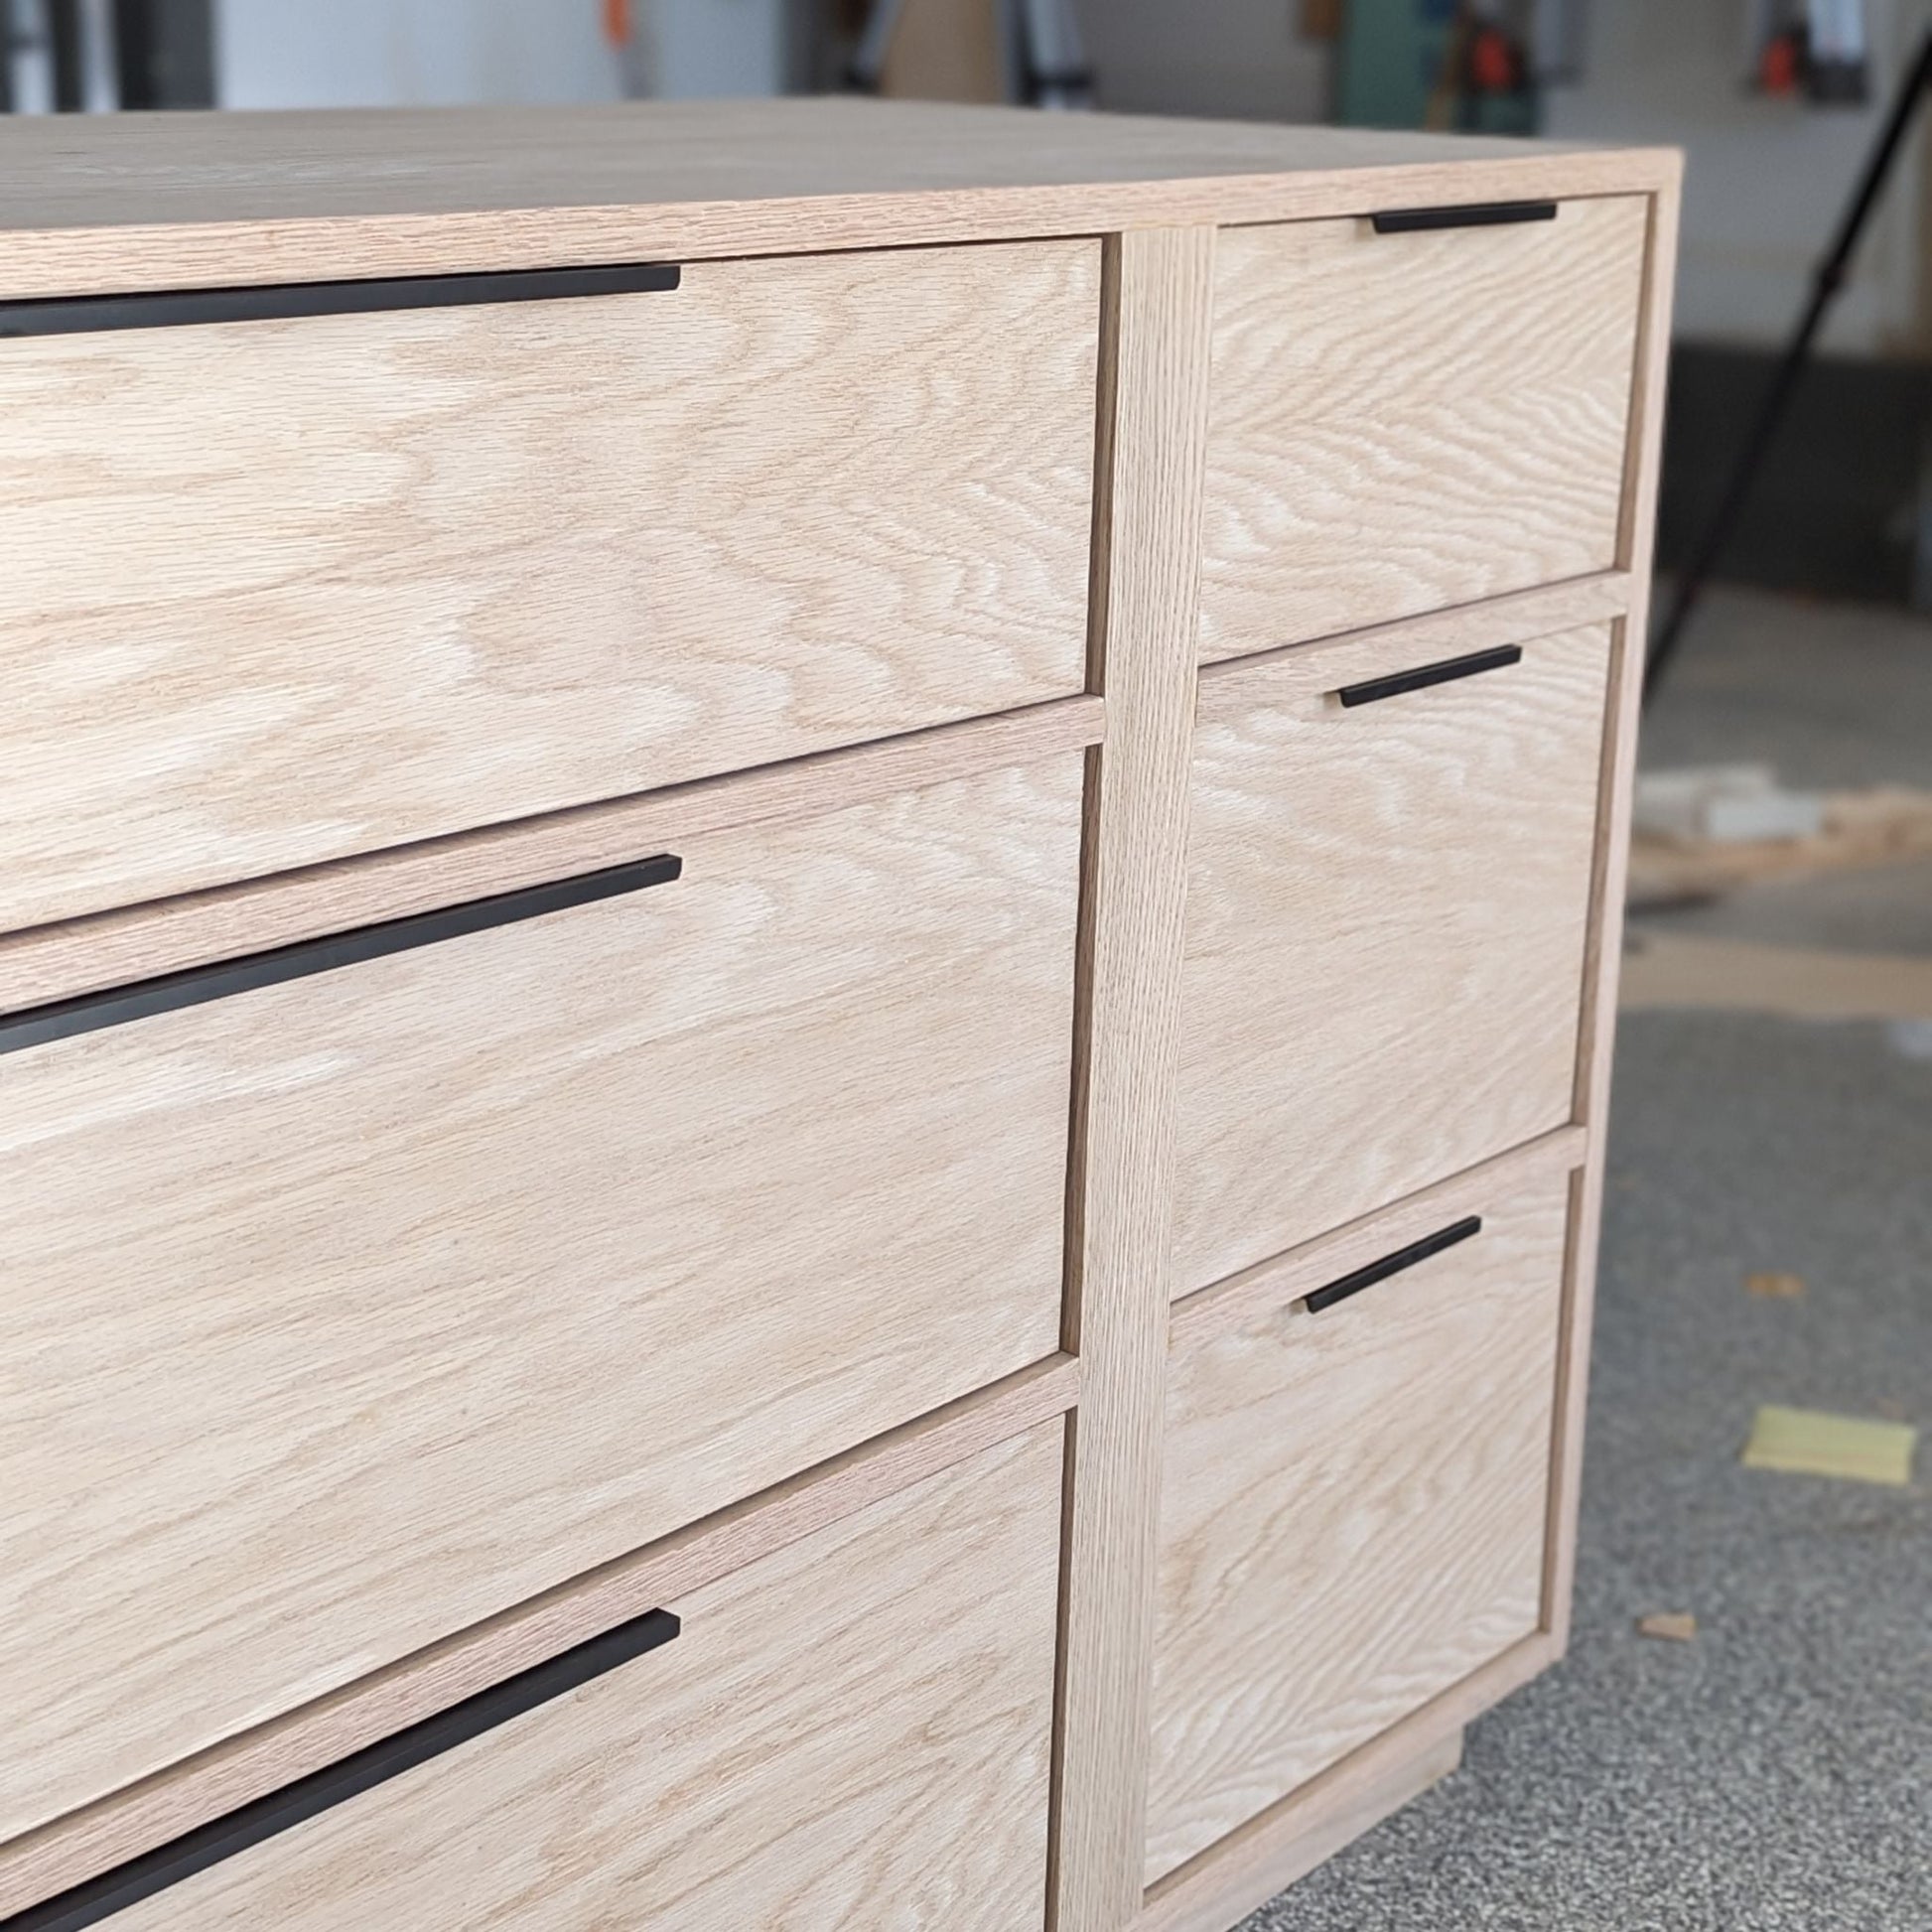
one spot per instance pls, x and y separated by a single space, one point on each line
1776 1774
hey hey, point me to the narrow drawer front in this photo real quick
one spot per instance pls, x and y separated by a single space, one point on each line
1352 1517
1387 914
852 1736
345 1312
1405 421
282 590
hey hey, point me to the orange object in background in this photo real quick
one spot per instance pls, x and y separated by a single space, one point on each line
616 22
1494 64
1780 67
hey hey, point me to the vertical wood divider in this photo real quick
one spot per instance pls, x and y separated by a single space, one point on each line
1157 293
1603 958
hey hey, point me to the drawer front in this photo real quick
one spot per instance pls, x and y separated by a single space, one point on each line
852 1736
1387 914
279 591
1352 1517
1403 422
342 1314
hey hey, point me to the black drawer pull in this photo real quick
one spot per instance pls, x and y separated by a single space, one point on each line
80 315
242 1830
89 1012
1380 1271
1475 214
1446 672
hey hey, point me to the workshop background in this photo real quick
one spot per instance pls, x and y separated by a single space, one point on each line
1743 1736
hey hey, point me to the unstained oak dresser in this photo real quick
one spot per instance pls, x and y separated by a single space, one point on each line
808 921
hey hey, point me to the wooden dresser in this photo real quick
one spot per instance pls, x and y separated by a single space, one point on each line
808 921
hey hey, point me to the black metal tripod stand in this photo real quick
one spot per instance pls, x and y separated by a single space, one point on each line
1827 280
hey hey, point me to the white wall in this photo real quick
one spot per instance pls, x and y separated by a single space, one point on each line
435 52
1765 179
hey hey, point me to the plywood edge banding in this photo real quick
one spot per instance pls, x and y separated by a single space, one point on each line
43 964
1226 1304
64 1853
1603 953
1517 618
1219 1887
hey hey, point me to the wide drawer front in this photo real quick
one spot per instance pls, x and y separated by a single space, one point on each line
1388 909
851 1735
1352 1512
342 1313
1405 421
279 591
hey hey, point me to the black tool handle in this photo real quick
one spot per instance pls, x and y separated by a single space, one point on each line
295 1804
1471 215
1374 690
1380 1271
89 1012
283 301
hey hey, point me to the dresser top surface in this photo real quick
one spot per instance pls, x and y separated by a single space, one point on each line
101 203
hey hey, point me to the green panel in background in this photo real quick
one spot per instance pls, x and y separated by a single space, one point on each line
1391 63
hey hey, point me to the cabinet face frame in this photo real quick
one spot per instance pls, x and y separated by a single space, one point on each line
1141 656
1219 1885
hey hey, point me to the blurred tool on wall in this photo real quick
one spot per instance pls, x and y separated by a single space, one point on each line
1815 49
1027 51
1465 65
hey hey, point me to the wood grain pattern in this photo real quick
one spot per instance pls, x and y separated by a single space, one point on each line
344 1313
1250 1868
1602 597
284 591
1386 921
1353 1518
1252 1863
1255 1292
151 1811
1121 1196
1611 861
851 1735
1403 421
149 200
53 962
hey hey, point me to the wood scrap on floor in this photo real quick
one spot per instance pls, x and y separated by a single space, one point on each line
1808 1441
1661 969
1701 833
1672 1626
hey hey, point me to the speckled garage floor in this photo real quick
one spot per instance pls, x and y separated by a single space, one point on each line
1775 1775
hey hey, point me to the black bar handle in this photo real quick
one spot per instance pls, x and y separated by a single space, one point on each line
1375 689
1380 1271
76 315
242 1830
89 1012
1471 215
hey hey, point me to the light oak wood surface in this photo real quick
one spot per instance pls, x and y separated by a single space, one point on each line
1353 1518
1405 421
1611 871
1238 1300
1273 1849
1387 914
851 1735
1121 1196
284 591
141 1816
149 200
343 1313
1251 1866
53 962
